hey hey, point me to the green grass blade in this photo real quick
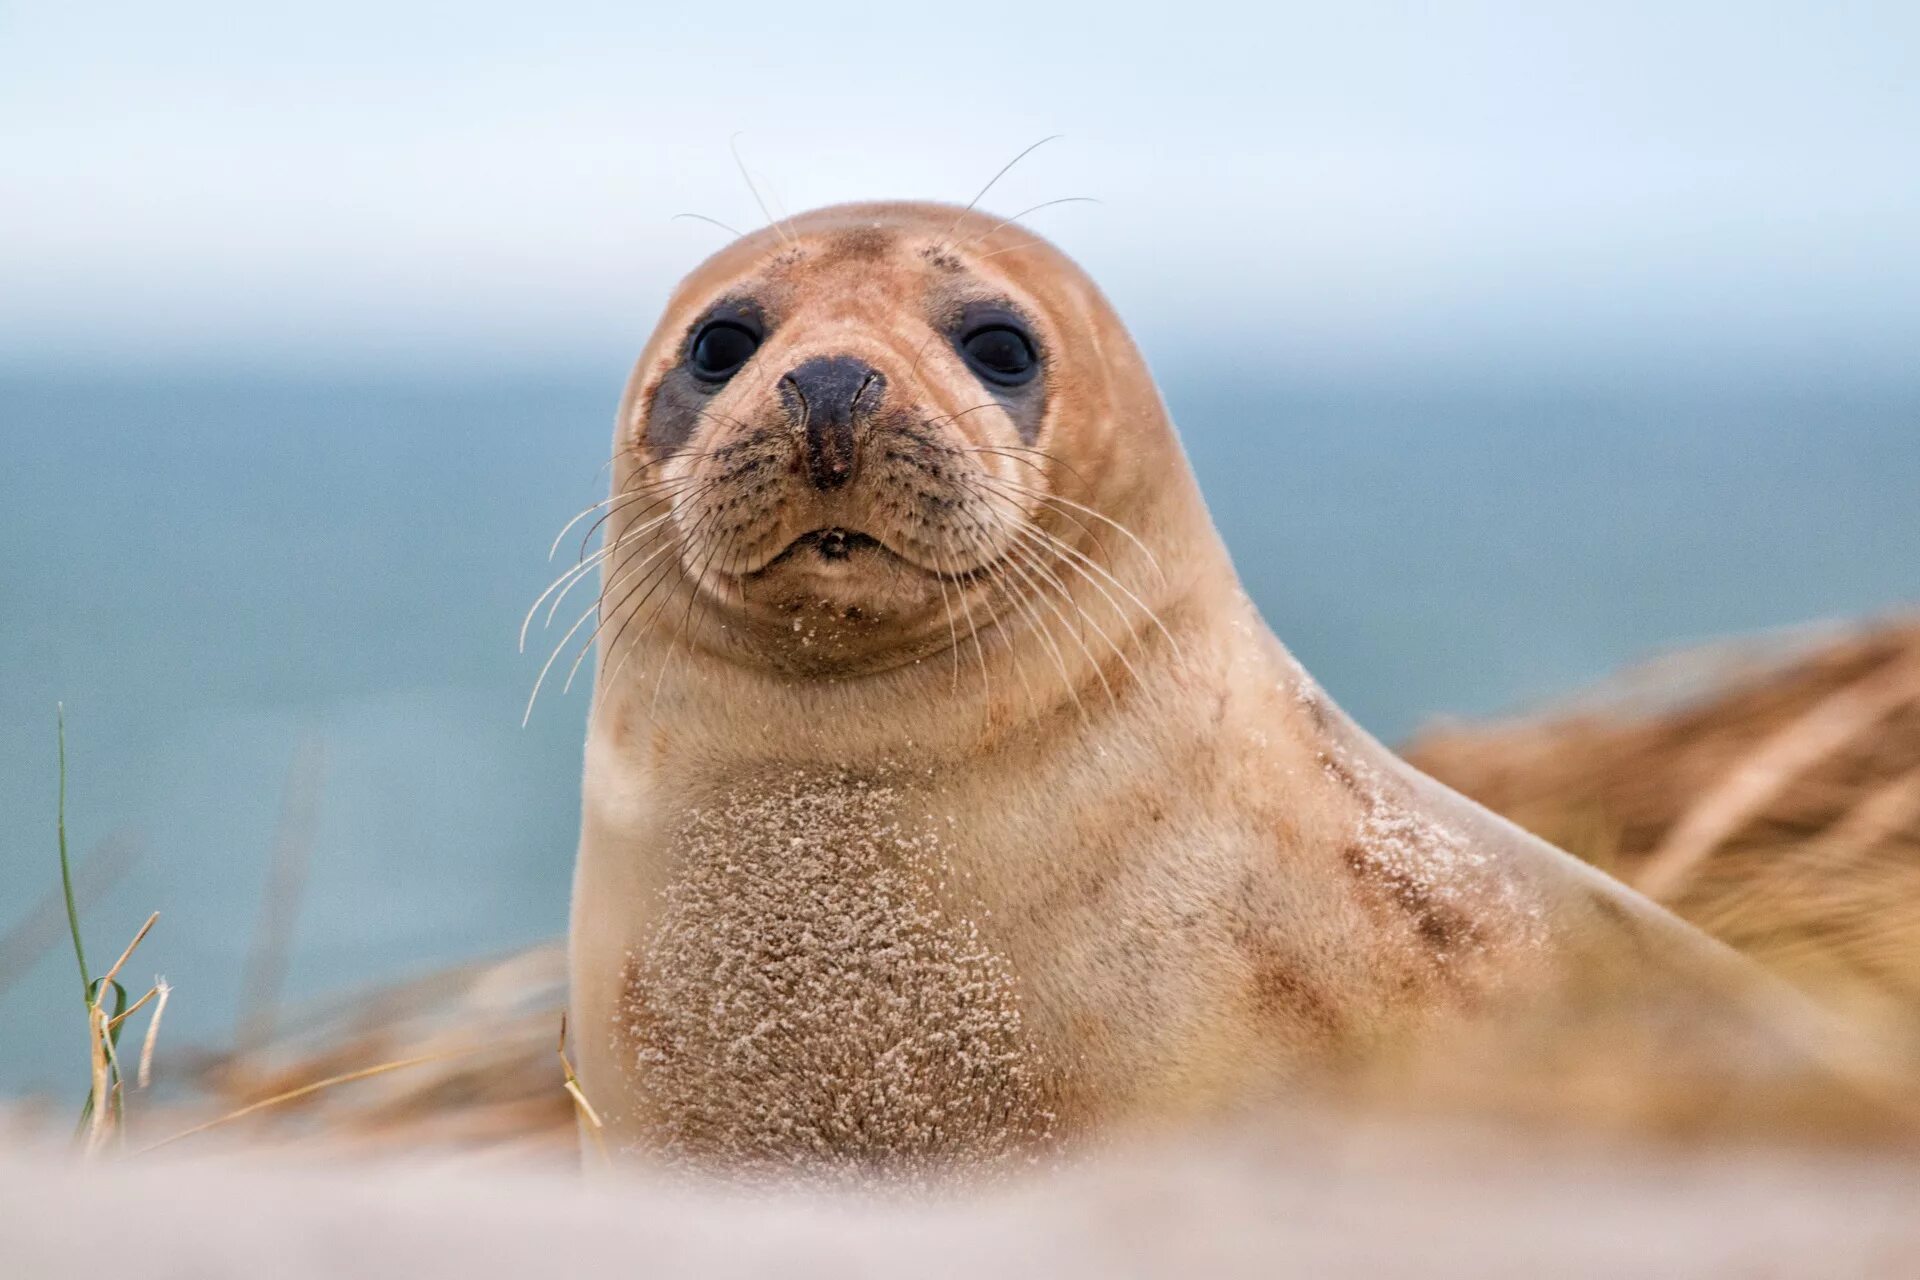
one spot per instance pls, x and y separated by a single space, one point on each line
66 867
119 1007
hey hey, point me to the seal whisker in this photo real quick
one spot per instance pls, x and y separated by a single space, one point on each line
733 145
982 193
659 609
639 486
696 596
712 415
655 578
1119 649
973 631
659 577
623 500
611 500
572 577
1012 451
1078 558
1002 453
554 548
1007 592
1007 222
1031 554
1040 496
620 447
701 217
620 574
554 656
1023 553
1013 248
946 607
634 534
1023 600
666 490
1093 535
1031 533
913 370
951 418
575 573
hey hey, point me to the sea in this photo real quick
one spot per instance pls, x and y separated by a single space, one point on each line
282 610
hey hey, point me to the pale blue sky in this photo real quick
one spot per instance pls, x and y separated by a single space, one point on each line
1657 188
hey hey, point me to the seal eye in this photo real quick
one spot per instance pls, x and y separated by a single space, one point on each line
1000 353
720 349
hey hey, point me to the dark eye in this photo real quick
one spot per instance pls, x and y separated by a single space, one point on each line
1000 353
720 349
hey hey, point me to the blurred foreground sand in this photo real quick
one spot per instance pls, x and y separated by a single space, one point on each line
1300 1198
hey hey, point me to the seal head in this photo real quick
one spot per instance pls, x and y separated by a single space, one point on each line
848 430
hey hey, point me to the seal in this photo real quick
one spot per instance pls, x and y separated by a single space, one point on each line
946 800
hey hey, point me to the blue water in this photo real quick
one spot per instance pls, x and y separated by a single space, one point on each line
218 576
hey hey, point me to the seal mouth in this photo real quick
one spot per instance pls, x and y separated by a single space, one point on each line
836 550
833 543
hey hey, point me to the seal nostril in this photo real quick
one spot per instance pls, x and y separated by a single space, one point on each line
827 396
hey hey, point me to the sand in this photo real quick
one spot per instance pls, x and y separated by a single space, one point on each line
1277 1199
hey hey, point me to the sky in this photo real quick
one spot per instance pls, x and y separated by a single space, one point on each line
1642 190
352 203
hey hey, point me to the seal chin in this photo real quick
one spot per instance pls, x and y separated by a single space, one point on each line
835 601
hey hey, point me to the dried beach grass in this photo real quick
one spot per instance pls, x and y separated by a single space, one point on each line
1776 805
1780 812
460 1061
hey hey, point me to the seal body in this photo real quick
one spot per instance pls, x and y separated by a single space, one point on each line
946 800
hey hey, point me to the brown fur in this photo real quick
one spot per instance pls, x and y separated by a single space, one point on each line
1179 875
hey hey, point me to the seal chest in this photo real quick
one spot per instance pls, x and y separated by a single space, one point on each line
806 999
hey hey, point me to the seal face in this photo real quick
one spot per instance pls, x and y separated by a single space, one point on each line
946 800
838 439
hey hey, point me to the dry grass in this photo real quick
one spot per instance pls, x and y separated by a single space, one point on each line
479 1075
1779 812
1777 805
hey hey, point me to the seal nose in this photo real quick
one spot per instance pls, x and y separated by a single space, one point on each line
828 394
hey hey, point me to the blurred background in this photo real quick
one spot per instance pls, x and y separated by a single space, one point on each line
1512 343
